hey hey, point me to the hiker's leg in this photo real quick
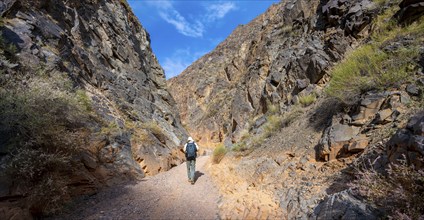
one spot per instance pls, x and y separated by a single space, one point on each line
192 169
188 169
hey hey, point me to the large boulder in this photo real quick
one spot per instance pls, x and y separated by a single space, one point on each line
347 133
370 105
410 11
408 142
344 205
338 140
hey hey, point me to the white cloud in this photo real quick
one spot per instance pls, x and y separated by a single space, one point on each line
179 61
173 17
218 11
173 67
168 13
195 28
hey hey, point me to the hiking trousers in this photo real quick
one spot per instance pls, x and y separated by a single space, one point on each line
191 166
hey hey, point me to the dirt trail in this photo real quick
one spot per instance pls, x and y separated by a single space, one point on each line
167 195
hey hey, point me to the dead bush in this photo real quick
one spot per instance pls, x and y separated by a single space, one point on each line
399 191
42 118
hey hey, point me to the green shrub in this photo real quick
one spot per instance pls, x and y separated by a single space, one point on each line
354 74
307 99
272 125
241 146
272 108
83 99
400 191
218 153
244 134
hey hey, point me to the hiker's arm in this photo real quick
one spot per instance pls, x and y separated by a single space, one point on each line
184 149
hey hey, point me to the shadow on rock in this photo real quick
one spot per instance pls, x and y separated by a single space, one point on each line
77 208
321 117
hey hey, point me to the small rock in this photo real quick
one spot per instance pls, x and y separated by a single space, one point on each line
413 90
359 144
383 116
302 83
405 99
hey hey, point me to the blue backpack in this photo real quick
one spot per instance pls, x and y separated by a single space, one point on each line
191 151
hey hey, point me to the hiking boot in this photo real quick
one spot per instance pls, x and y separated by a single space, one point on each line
192 182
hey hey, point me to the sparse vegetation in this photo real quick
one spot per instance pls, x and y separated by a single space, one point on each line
110 129
382 2
42 126
307 99
377 65
291 116
287 29
218 153
38 173
153 127
400 191
239 147
272 125
272 108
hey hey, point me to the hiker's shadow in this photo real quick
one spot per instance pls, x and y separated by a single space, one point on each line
197 174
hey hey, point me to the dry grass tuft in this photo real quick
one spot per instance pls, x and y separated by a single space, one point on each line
218 154
372 67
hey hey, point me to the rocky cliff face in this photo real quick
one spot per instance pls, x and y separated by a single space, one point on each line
269 63
288 157
102 55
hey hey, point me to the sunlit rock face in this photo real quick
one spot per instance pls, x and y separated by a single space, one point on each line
267 64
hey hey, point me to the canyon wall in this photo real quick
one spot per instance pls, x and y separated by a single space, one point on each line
88 66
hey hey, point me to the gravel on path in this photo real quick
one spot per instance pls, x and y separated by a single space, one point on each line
167 195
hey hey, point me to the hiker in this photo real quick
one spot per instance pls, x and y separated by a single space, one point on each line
190 150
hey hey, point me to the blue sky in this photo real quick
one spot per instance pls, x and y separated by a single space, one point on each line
181 31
